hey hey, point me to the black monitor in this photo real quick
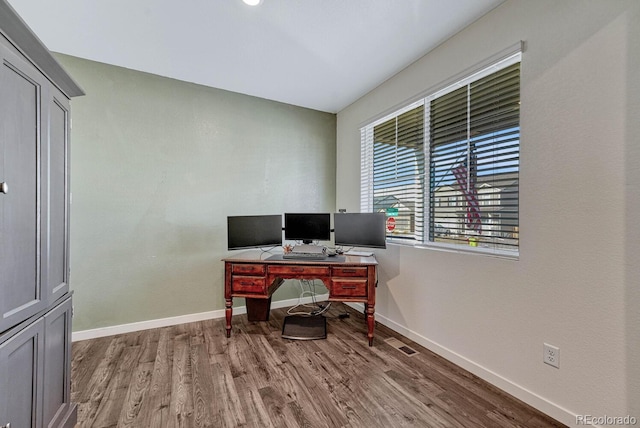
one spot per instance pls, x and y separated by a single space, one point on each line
360 229
307 227
254 231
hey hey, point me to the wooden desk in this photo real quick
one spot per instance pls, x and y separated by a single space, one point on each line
256 275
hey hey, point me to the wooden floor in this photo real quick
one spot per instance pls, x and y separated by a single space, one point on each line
191 375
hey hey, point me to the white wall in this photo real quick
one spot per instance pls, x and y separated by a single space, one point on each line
576 282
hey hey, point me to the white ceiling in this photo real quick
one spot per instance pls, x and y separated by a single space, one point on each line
320 54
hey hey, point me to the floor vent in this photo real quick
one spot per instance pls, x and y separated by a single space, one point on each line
401 346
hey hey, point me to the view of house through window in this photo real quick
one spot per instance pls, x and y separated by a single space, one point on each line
398 172
445 168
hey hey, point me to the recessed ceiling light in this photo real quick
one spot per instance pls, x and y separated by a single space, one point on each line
252 2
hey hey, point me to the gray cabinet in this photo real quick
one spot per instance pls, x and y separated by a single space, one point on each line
21 367
55 243
35 368
57 409
21 172
35 301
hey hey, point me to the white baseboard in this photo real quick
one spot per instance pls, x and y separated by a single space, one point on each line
146 325
555 411
181 319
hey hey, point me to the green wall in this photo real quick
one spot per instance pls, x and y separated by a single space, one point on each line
156 167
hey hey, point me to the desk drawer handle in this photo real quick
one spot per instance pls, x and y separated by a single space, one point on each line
245 283
348 287
297 269
349 270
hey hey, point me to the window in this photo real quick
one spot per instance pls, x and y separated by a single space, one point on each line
395 171
450 162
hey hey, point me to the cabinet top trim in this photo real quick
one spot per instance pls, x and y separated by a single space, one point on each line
20 35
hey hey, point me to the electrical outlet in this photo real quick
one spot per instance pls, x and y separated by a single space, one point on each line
551 355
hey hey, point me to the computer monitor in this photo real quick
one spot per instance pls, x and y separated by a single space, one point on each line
254 231
307 227
360 229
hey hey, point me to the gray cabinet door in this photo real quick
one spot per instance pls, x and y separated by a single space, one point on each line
57 408
54 191
20 171
21 367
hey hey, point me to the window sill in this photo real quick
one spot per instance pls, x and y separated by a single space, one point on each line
459 249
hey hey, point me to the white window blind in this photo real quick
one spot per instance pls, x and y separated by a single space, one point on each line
394 161
474 151
458 184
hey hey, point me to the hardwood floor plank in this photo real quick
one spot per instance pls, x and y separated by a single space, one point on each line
501 420
156 407
279 412
337 384
192 375
261 366
240 355
114 397
150 339
135 395
86 358
475 389
80 351
542 421
461 410
204 397
181 390
314 401
215 338
301 416
427 393
226 397
256 414
96 388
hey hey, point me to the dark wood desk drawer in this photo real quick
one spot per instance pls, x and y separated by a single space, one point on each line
248 284
348 287
299 270
349 271
248 269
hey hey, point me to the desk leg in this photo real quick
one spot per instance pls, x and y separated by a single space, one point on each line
371 322
228 312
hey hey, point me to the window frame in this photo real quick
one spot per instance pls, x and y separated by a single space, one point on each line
503 60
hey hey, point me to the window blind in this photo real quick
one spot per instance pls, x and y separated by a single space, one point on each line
474 148
394 180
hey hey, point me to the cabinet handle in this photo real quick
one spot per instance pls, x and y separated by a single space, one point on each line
348 287
349 270
4 188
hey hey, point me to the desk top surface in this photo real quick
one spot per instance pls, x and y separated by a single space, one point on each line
263 257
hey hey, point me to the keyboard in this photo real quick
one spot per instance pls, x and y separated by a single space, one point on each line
304 256
358 253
